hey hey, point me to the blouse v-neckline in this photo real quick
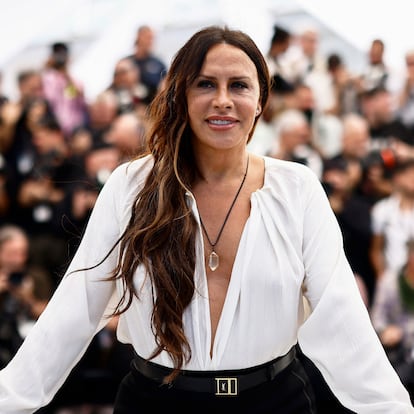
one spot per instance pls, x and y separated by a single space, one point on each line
212 353
201 301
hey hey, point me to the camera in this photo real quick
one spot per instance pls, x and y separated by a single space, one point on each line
385 158
16 278
46 165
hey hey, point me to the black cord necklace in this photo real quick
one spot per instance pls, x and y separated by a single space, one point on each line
214 259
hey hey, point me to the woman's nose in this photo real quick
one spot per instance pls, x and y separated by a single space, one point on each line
222 98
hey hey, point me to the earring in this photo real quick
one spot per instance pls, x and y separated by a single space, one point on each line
257 111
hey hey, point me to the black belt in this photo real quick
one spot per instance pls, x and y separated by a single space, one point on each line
225 382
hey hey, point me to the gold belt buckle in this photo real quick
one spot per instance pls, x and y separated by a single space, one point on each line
226 386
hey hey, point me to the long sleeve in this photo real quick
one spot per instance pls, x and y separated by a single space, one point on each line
77 310
338 335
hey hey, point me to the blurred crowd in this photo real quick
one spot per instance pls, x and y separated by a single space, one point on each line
354 130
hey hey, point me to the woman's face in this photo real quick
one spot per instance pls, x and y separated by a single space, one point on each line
223 101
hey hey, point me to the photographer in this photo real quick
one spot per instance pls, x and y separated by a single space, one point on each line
64 93
23 293
353 215
393 221
13 258
377 167
385 125
40 196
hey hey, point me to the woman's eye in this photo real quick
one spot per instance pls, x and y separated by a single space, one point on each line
238 85
205 84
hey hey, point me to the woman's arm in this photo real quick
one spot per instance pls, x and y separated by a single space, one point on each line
74 314
338 335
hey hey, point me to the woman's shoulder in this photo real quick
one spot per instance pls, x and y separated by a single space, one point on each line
288 170
126 181
127 178
135 169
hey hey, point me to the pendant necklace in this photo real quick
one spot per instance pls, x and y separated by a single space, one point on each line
213 259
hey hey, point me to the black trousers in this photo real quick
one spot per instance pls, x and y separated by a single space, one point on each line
289 392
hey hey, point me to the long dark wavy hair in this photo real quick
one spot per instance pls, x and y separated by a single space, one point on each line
161 232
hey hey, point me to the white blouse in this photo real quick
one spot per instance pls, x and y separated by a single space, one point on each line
291 244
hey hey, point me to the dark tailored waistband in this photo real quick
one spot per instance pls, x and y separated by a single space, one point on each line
224 382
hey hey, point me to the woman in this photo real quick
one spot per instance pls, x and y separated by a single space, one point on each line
216 247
